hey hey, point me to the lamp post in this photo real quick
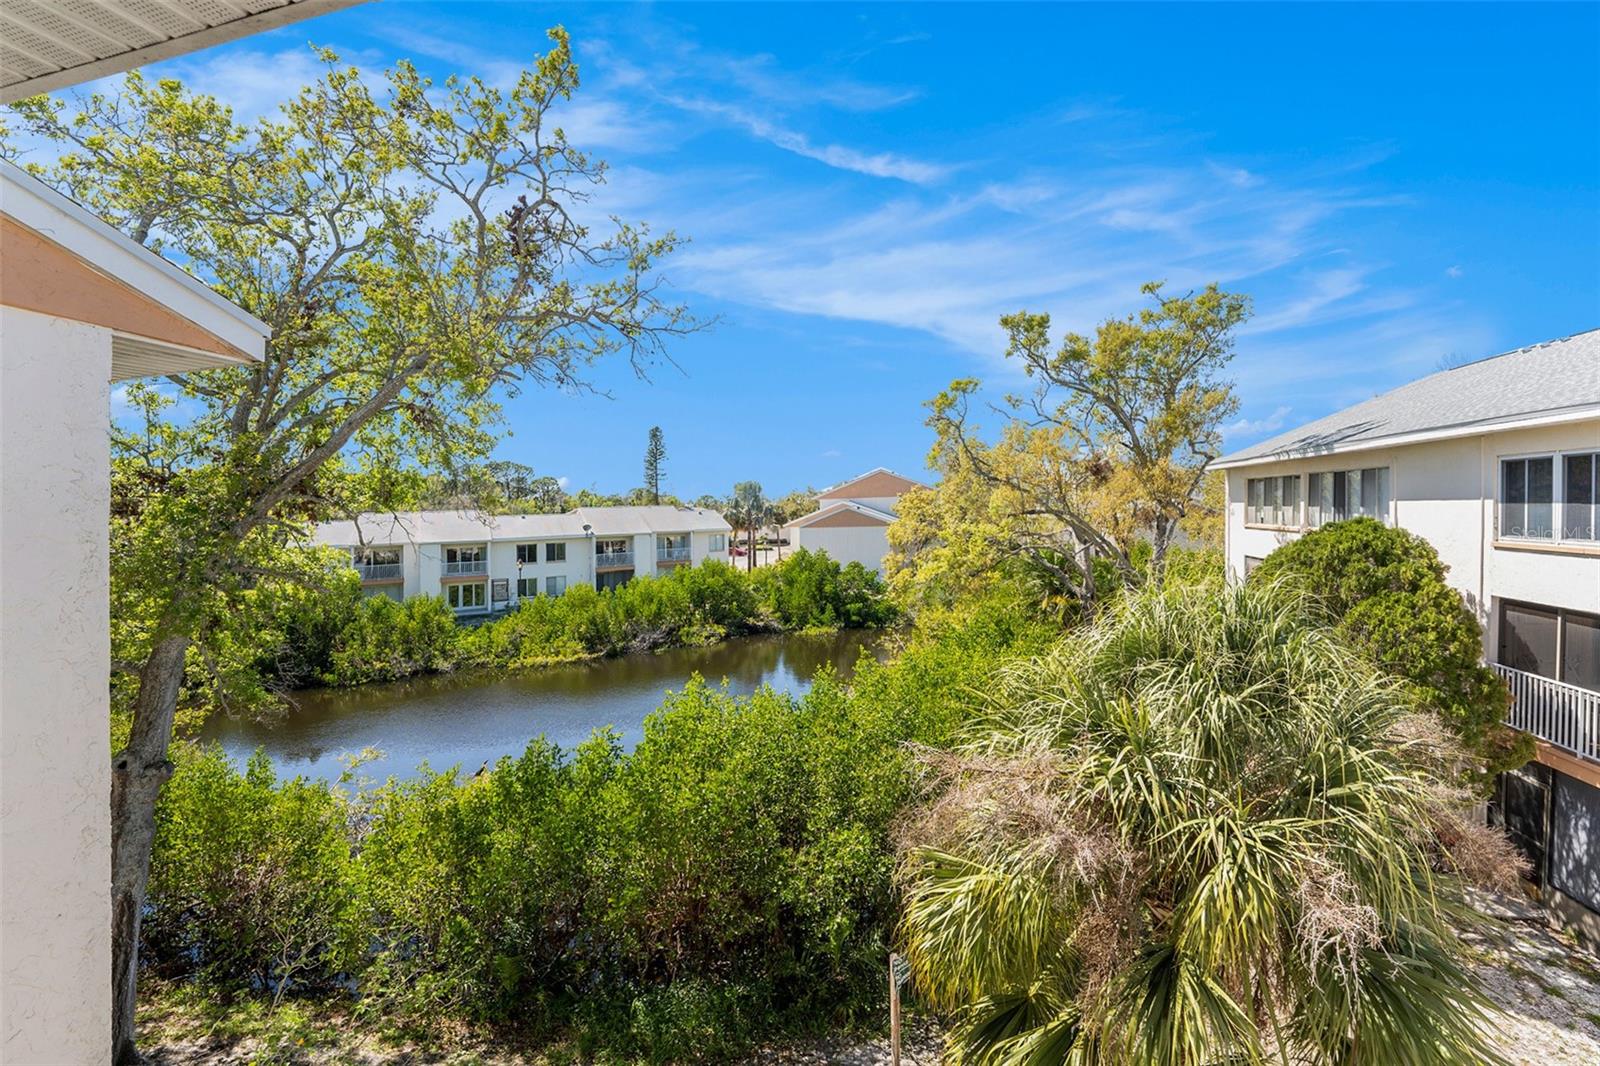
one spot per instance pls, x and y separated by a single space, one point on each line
594 572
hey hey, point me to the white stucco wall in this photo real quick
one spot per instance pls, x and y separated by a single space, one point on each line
866 545
55 823
1446 492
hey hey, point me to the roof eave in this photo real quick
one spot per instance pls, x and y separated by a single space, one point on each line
59 219
1468 429
232 30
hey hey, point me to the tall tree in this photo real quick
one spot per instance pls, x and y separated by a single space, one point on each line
748 510
655 453
1111 447
418 251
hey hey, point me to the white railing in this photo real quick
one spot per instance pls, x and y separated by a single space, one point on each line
378 571
672 555
1565 715
604 559
466 566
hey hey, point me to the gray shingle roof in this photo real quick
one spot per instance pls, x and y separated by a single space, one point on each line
1555 376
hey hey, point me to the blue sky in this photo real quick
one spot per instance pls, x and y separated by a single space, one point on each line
867 188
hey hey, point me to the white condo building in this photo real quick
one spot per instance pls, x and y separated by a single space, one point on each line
480 563
1496 464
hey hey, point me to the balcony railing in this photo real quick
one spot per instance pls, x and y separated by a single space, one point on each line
672 555
465 566
378 571
1565 715
602 560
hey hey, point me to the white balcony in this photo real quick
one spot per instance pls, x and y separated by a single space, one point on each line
465 567
672 555
378 571
612 560
1554 711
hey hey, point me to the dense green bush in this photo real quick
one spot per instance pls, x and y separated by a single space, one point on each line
384 640
253 882
809 590
1385 589
731 875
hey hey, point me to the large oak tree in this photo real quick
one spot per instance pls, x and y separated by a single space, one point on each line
419 250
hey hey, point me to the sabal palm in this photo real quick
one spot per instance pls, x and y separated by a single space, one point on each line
1200 831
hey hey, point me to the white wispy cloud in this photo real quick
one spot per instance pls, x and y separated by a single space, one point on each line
876 164
1258 426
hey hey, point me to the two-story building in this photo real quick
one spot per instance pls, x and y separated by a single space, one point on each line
852 519
480 563
1496 464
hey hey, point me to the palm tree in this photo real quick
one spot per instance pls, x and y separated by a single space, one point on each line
747 510
1202 830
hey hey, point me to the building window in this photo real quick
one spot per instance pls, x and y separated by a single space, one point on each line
377 556
1551 642
612 579
555 585
1527 498
1580 500
614 546
719 542
527 554
527 587
555 553
1273 501
466 560
672 548
1250 563
465 597
1337 495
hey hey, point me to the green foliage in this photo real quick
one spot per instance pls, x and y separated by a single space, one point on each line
252 882
655 454
385 640
1385 589
732 875
809 590
1201 827
1109 451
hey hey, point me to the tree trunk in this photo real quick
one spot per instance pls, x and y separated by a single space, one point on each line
137 775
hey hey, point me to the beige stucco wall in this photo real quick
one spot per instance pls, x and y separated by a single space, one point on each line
55 786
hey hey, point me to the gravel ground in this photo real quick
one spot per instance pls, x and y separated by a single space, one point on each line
1546 991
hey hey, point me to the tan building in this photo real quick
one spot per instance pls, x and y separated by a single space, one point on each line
851 522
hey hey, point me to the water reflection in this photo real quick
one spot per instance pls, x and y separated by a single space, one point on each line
474 718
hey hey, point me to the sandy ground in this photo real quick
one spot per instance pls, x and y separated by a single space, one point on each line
1547 992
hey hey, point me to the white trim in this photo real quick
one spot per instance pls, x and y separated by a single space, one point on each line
40 208
1421 436
130 57
834 508
830 490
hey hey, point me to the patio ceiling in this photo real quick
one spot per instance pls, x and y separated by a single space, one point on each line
50 44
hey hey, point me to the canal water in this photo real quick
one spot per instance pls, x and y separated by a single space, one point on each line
475 717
